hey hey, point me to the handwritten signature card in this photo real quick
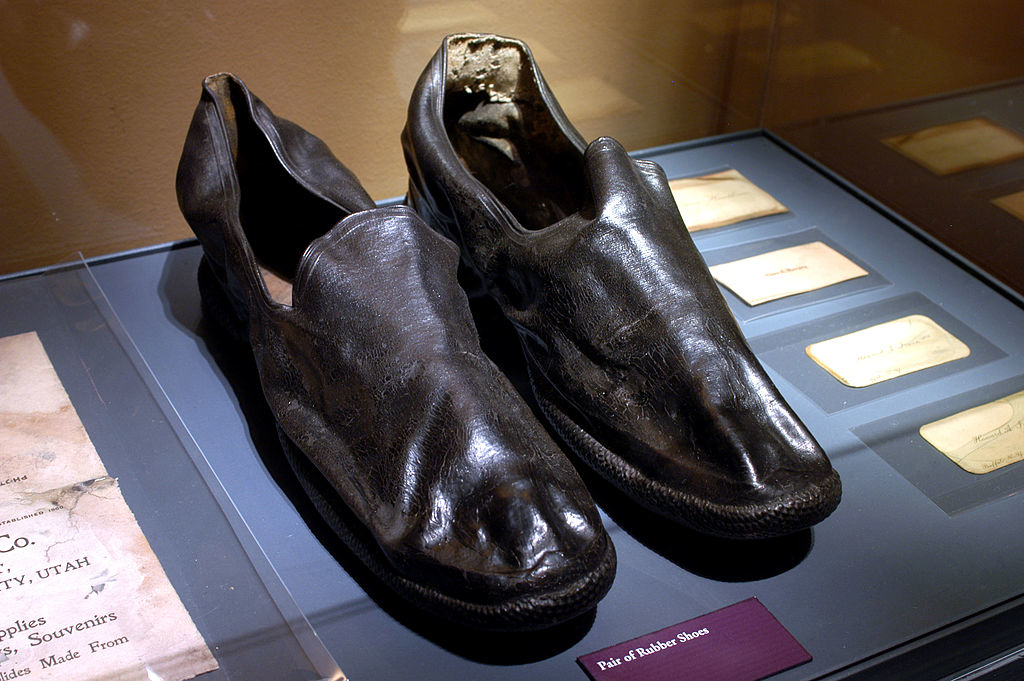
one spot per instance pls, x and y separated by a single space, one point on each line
885 351
721 199
981 439
786 272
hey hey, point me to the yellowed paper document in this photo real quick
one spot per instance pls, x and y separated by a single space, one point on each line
951 148
786 272
1012 204
879 353
42 442
984 438
721 199
82 596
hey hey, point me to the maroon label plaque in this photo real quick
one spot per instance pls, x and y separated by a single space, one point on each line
743 642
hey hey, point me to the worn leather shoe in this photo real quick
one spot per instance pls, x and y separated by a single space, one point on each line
390 412
633 355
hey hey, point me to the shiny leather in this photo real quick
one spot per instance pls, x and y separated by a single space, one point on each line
374 373
634 356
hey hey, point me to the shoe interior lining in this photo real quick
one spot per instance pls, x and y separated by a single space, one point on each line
505 135
280 289
280 217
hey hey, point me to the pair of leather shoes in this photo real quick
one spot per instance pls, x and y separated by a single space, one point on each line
413 445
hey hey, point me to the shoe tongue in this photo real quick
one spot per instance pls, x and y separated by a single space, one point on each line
371 257
612 185
610 173
611 179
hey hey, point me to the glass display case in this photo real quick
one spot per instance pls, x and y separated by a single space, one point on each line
885 135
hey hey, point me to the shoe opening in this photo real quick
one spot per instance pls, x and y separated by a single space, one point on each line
505 133
279 215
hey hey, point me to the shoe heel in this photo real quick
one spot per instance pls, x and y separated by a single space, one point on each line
217 307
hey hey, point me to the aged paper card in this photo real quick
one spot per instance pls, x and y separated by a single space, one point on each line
42 442
721 199
82 596
786 272
951 148
1012 204
984 438
879 353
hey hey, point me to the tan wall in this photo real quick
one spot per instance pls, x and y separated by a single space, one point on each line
95 97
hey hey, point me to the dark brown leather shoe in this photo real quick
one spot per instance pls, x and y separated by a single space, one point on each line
633 354
372 367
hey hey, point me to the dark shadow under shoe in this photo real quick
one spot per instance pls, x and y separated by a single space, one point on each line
634 356
387 408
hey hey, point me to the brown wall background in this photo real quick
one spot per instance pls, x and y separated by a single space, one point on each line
834 56
95 98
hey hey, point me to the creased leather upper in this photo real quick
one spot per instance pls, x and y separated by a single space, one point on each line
626 322
378 376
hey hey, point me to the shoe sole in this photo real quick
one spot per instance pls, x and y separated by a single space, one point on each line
752 521
578 594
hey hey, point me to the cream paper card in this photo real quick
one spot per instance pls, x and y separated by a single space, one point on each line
951 148
721 199
1012 204
786 272
82 596
879 353
984 438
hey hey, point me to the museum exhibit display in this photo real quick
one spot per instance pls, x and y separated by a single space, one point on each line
577 406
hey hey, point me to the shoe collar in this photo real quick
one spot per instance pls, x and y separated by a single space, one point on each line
429 114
